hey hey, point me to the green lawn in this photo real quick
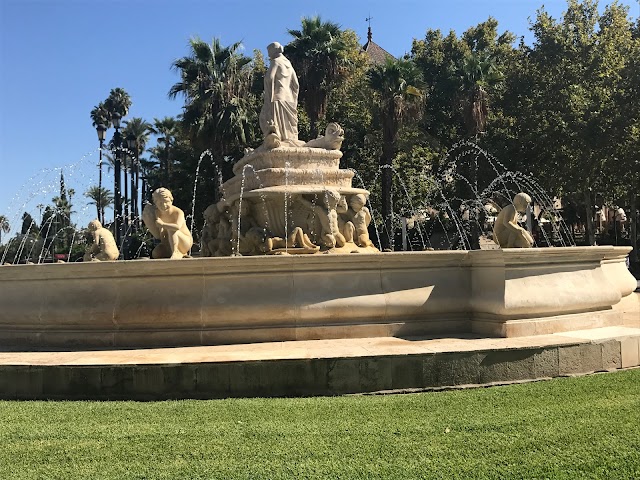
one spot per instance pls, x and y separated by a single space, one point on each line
570 428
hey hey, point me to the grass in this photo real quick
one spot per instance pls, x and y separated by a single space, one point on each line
586 427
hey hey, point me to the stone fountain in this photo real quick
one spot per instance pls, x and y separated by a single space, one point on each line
289 197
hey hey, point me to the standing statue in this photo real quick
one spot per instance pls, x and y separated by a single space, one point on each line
104 246
506 231
279 114
167 223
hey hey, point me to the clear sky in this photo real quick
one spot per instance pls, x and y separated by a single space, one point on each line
60 58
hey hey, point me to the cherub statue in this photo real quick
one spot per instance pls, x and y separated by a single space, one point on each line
167 223
104 246
332 139
241 222
209 241
254 242
344 224
224 235
506 231
328 217
360 218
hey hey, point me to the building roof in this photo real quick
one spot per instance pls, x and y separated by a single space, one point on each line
375 52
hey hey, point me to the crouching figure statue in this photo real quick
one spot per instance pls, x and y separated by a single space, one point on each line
166 222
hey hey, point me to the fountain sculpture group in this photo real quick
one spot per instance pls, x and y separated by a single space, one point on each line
290 197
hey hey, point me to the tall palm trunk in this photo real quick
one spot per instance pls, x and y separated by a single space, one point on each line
126 199
139 200
134 193
99 205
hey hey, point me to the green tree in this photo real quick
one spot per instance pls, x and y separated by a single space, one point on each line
350 106
625 135
118 101
219 119
395 85
479 74
29 226
62 214
100 116
572 78
101 198
166 130
139 130
214 81
319 54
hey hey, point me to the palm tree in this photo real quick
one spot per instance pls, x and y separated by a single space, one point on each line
147 169
215 83
139 129
4 226
166 128
318 53
100 116
396 84
478 72
118 101
101 198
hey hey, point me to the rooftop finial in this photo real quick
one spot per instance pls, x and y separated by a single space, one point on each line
368 19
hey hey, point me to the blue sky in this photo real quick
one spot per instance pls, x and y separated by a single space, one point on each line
59 58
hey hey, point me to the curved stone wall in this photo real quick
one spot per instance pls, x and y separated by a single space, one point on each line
209 301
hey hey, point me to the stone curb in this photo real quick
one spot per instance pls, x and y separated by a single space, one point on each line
316 376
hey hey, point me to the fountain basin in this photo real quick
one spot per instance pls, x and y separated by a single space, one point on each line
290 157
209 301
287 180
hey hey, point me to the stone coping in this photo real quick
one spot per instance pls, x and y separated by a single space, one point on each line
263 263
295 155
311 349
280 191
